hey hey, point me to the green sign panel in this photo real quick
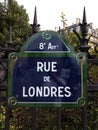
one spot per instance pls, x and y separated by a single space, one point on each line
47 72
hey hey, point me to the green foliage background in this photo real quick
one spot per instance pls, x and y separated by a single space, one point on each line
15 16
44 118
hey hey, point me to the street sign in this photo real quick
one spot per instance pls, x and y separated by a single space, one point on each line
47 72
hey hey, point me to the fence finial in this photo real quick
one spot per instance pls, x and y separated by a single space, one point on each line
35 25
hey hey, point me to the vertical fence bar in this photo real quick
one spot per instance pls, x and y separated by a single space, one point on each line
58 118
33 112
84 118
7 117
84 47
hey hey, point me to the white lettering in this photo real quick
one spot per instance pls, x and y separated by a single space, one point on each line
46 91
39 66
41 46
54 67
51 47
31 91
38 91
60 91
46 66
68 93
24 92
53 91
46 78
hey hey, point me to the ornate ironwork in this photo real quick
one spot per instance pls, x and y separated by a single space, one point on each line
57 118
92 86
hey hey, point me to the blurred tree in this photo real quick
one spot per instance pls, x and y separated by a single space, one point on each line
64 20
70 36
15 16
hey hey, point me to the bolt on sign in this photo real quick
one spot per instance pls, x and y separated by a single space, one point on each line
47 72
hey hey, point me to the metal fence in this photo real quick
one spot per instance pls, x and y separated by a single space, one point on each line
25 118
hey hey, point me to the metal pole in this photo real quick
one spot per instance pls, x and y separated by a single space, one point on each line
58 118
84 118
33 112
8 49
7 116
84 47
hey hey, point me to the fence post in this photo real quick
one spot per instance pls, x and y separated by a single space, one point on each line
84 47
33 112
58 118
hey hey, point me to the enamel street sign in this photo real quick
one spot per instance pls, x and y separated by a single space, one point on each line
47 72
